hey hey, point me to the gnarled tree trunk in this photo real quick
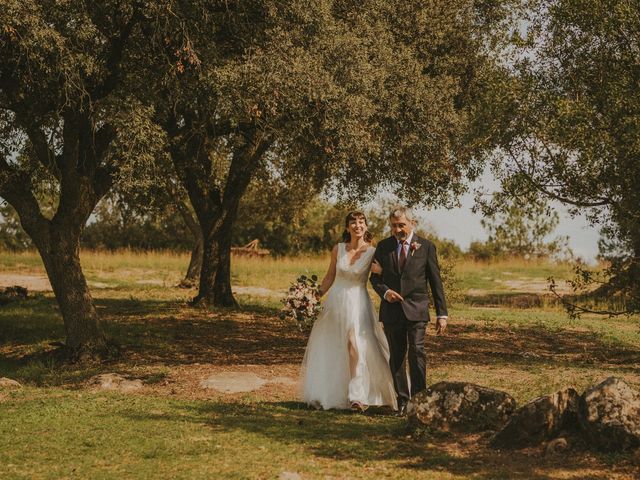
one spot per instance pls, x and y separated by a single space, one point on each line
195 265
192 276
62 262
82 184
215 278
215 209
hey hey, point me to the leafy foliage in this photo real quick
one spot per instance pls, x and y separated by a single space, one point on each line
572 118
12 236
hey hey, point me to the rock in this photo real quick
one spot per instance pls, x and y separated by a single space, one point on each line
610 415
10 294
539 420
234 382
284 381
114 381
557 445
289 476
9 383
460 404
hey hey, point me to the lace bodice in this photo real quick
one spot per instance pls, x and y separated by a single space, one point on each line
358 273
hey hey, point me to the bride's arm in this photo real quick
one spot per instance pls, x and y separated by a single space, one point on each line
328 279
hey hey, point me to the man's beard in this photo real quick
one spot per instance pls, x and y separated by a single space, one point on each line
401 235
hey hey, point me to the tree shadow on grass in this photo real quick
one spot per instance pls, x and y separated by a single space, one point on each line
183 335
521 300
152 331
502 345
340 435
255 335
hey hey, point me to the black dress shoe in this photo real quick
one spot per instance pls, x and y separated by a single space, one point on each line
402 410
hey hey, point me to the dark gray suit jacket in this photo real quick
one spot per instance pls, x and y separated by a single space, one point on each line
420 271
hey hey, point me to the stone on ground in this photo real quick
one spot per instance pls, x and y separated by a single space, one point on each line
11 294
289 476
460 404
557 445
9 383
114 381
539 420
234 382
610 415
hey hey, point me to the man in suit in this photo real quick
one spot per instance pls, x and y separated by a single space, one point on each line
409 264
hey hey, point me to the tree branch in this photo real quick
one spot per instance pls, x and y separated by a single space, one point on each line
103 138
102 181
114 56
576 310
15 189
45 155
187 217
528 175
215 130
245 161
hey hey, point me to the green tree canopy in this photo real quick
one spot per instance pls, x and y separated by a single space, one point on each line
348 96
572 118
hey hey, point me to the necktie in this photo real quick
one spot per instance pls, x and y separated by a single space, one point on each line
403 256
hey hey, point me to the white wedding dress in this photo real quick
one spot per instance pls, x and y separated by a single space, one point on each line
347 311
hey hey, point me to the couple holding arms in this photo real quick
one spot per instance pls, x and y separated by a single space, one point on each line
352 360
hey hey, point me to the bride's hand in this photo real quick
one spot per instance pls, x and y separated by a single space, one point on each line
376 268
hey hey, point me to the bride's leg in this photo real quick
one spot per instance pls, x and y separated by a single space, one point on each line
357 396
353 353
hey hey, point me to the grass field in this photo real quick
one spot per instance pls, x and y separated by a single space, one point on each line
57 426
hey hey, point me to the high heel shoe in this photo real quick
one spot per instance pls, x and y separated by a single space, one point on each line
359 407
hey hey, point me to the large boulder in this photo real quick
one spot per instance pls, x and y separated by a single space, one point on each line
459 404
539 420
610 415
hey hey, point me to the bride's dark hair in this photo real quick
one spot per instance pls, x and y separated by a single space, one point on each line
355 215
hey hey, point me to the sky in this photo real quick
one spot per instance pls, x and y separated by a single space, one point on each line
463 226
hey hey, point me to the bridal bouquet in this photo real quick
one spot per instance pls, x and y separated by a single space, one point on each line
302 302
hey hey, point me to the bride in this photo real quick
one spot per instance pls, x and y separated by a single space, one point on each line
346 360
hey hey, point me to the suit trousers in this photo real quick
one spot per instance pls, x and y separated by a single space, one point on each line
403 334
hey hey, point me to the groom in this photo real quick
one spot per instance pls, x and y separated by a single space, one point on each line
409 263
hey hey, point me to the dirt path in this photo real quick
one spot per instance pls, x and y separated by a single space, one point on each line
34 283
40 283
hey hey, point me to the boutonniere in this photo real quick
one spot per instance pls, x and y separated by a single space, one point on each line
414 246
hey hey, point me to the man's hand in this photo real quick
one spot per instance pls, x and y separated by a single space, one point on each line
392 296
441 326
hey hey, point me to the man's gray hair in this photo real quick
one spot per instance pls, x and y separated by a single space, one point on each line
398 212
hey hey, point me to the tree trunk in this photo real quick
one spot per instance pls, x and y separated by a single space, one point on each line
195 265
61 258
82 181
216 208
215 278
222 293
